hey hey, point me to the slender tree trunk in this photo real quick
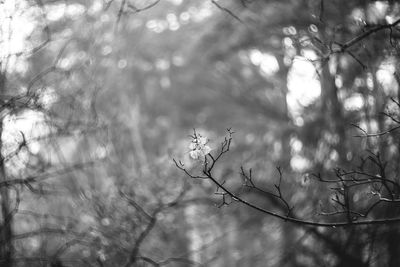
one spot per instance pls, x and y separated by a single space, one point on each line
6 223
334 111
288 231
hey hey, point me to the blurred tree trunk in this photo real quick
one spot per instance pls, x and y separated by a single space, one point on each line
393 237
393 248
6 230
332 108
288 231
288 128
137 140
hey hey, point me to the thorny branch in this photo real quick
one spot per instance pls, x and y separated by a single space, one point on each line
343 191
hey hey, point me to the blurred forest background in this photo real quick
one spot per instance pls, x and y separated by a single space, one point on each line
98 97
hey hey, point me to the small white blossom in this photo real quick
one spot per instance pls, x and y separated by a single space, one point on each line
202 140
192 146
195 154
206 150
198 147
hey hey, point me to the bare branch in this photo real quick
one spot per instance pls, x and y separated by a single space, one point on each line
227 11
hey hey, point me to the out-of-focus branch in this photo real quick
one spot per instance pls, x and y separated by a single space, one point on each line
152 220
40 177
229 12
367 33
